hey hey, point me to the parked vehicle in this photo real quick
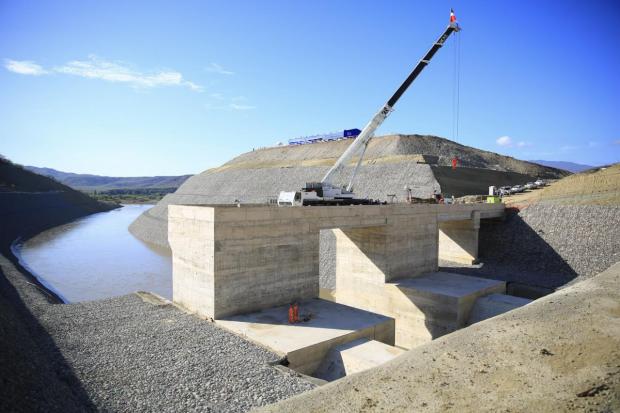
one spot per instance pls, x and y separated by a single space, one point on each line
530 185
540 182
505 190
516 189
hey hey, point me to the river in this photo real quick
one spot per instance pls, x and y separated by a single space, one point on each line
97 257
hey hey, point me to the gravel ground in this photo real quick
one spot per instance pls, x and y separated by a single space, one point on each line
124 355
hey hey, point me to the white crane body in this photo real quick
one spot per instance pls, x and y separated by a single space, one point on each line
324 192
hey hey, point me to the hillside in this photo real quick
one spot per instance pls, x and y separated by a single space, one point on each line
567 166
391 162
87 182
31 203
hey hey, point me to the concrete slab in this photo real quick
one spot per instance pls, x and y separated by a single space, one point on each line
449 284
493 305
306 344
354 357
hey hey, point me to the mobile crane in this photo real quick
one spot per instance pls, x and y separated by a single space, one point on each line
326 193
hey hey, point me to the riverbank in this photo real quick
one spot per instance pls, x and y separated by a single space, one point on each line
122 354
125 354
24 214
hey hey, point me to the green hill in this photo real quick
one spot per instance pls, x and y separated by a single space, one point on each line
87 182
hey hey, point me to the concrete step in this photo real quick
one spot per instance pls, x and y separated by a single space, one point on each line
355 356
493 305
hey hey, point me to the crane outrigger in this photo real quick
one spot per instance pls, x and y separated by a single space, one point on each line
325 192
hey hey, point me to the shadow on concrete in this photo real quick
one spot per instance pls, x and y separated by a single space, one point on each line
34 375
512 251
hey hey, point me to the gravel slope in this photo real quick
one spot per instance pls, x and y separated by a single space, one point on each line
538 358
125 355
390 164
548 245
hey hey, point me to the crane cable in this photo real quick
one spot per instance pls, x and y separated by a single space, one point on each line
456 87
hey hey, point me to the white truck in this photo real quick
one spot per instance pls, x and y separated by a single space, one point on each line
325 192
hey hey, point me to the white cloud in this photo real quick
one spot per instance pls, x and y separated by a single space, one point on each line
24 67
235 106
216 68
523 144
504 141
96 68
617 142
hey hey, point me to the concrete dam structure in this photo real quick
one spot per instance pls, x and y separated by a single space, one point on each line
391 162
242 266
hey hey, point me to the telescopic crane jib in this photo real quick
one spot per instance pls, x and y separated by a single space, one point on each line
324 192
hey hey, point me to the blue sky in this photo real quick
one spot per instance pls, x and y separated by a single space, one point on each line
162 87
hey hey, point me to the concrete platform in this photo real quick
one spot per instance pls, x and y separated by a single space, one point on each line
306 344
450 284
354 357
424 307
493 305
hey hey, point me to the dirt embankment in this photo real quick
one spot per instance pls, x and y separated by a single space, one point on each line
31 203
390 163
559 353
599 186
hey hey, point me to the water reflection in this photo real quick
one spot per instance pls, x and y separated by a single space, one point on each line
96 257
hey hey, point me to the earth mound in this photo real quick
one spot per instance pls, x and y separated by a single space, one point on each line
391 162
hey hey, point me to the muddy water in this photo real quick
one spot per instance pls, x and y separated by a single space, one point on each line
96 257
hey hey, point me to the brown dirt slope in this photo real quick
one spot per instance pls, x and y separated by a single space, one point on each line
559 353
391 148
599 186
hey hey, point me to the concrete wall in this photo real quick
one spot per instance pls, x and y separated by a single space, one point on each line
458 240
229 260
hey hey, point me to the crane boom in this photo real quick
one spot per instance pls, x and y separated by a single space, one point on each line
324 192
367 133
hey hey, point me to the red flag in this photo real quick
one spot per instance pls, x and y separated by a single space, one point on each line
452 16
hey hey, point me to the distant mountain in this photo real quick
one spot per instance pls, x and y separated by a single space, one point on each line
86 182
567 166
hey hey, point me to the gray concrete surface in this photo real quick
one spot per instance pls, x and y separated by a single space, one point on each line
493 305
